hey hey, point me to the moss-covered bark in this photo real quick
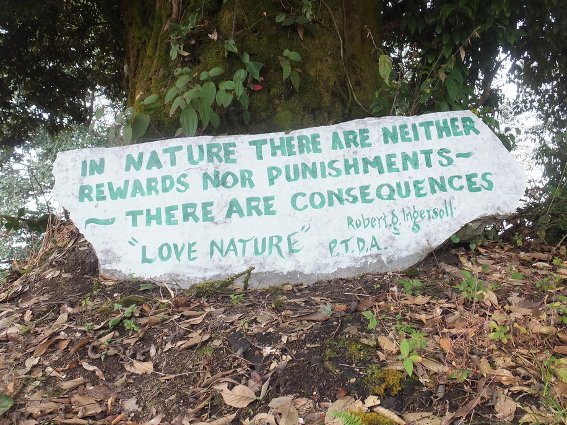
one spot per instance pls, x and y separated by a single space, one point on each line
338 67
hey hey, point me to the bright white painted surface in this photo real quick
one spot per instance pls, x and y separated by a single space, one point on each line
169 226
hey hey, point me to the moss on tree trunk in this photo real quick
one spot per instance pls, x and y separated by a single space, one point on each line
338 68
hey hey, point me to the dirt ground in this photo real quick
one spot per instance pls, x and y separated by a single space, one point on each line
466 336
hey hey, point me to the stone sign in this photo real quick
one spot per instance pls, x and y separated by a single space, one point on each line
368 195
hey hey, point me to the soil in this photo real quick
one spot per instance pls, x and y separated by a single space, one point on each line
80 347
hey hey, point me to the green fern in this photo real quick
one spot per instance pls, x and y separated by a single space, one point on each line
347 418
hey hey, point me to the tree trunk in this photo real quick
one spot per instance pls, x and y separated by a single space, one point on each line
338 67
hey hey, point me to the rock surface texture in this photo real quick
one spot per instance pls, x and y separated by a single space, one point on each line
368 195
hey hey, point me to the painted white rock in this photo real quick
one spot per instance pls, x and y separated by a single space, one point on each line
369 195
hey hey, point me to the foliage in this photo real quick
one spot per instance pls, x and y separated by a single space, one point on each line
443 55
408 356
125 316
56 57
499 332
27 175
412 341
347 418
287 58
411 286
236 298
372 319
177 34
471 288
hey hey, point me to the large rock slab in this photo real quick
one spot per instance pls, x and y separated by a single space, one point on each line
368 195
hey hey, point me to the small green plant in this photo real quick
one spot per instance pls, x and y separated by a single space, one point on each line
460 375
517 275
347 418
279 302
471 288
412 341
87 302
289 57
552 369
557 261
89 326
195 98
372 319
130 325
236 298
499 332
411 286
560 306
327 309
408 356
455 239
131 124
305 18
417 338
177 35
518 239
549 282
125 317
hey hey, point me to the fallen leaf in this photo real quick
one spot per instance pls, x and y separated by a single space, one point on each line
422 418
240 396
387 344
130 405
155 421
69 421
139 368
92 368
41 408
417 300
504 407
263 419
371 401
194 340
490 298
318 316
73 383
502 375
61 319
85 405
225 420
535 417
446 344
559 390
561 349
303 405
538 328
389 415
434 366
286 410
342 404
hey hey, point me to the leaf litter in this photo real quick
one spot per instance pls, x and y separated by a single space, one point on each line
485 331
